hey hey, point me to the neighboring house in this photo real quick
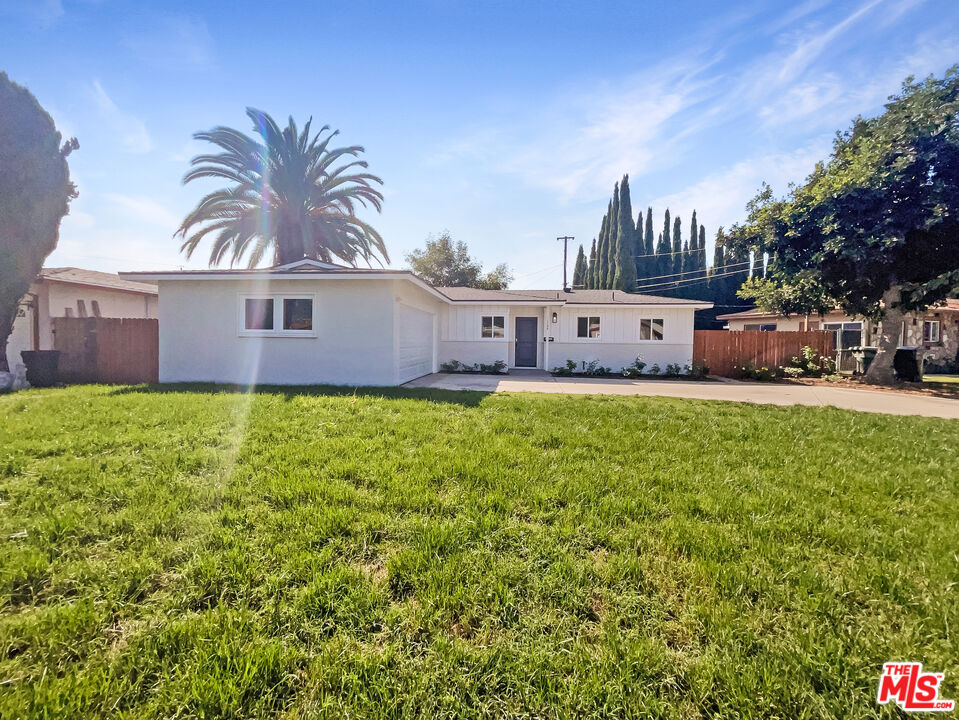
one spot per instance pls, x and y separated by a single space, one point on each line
72 292
310 322
935 331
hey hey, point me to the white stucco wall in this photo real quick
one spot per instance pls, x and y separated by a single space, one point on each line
53 299
353 323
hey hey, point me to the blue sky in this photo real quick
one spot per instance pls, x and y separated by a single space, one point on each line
505 122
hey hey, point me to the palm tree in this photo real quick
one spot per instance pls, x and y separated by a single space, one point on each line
289 197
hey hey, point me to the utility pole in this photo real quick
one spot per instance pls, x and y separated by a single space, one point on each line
565 239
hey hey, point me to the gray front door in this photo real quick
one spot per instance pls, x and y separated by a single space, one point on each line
526 343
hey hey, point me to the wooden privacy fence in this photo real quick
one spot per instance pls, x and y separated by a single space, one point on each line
107 350
723 351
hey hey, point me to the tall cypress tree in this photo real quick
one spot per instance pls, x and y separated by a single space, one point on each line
601 252
678 246
640 261
701 262
649 245
716 281
686 261
692 261
612 237
579 269
591 268
624 277
664 261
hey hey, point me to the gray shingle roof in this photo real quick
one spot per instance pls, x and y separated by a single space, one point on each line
456 294
78 276
573 297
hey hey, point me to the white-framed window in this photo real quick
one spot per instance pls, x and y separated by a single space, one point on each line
930 331
276 316
587 326
846 334
763 327
651 328
493 327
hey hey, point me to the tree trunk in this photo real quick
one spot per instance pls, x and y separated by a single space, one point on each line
880 372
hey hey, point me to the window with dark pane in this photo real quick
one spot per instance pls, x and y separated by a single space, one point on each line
297 314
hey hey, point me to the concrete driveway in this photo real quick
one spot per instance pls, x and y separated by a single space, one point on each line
893 403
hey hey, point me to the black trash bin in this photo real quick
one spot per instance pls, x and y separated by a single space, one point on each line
42 367
906 364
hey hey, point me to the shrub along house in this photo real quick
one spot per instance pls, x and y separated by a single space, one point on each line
311 322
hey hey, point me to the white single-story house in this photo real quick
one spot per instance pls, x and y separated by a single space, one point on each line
311 322
74 292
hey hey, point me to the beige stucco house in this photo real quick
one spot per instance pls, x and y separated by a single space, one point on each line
310 322
73 292
935 331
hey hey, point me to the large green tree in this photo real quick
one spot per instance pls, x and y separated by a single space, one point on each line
579 269
625 276
602 254
35 194
677 257
664 248
640 251
591 267
701 262
447 263
649 246
875 228
692 260
291 196
612 238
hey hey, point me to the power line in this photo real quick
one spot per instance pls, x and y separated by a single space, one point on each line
691 281
658 277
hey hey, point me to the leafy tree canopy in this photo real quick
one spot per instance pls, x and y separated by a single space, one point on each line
874 227
35 193
447 263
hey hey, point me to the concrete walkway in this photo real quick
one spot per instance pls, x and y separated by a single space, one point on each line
893 403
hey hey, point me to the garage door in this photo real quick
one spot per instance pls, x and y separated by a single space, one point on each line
416 343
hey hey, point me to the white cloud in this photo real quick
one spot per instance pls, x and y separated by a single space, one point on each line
180 42
810 47
131 132
720 197
578 142
145 210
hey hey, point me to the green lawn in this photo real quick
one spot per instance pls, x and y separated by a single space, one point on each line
432 554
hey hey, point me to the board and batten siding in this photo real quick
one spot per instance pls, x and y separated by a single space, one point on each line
460 336
619 343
